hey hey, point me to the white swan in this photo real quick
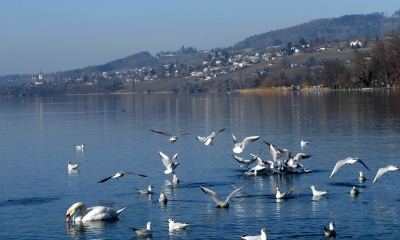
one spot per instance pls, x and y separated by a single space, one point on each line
80 213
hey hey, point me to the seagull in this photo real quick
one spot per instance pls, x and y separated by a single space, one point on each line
120 174
331 231
208 140
217 199
354 191
146 191
349 160
244 162
80 147
143 232
317 193
73 166
173 225
283 195
170 165
162 198
383 170
361 178
263 235
239 146
172 139
304 143
175 179
274 152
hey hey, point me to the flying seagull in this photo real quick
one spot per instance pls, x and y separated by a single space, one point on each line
169 165
120 174
245 163
217 199
349 160
239 146
208 140
383 170
172 139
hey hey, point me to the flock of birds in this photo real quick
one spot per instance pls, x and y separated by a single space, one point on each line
282 163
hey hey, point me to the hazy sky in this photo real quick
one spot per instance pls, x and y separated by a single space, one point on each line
51 36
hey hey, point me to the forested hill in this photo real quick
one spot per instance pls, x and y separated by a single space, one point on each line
323 30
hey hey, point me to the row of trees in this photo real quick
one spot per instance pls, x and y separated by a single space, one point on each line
379 67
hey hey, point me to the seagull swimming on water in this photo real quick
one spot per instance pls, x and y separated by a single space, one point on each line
143 232
173 225
217 199
79 147
263 235
162 198
172 138
169 165
73 166
120 174
383 170
354 191
208 140
175 179
304 143
331 231
317 193
239 146
149 190
282 195
361 178
349 160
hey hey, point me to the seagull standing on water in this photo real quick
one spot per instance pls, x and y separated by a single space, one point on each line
282 195
173 225
263 235
383 170
143 232
118 175
73 166
169 165
208 140
317 193
239 146
217 199
349 160
79 147
172 138
331 231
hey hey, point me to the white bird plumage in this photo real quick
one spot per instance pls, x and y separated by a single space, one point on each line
263 235
79 147
73 166
331 231
317 193
162 198
354 190
239 146
80 213
381 171
349 160
208 140
217 199
175 225
143 232
169 165
149 190
361 178
304 143
118 175
175 179
282 195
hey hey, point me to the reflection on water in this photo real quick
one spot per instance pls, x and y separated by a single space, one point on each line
87 229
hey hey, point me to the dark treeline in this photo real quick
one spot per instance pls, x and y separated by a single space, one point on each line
379 67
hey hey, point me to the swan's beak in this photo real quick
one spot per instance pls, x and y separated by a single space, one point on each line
68 217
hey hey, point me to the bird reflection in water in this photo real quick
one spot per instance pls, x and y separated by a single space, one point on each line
87 229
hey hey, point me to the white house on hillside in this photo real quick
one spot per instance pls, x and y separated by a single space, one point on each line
356 43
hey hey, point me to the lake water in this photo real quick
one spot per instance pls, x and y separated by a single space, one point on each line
38 134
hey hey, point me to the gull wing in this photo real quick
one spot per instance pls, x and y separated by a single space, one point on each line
165 160
337 166
239 159
174 158
213 195
301 156
161 132
232 193
248 140
273 151
359 160
105 179
140 175
215 134
184 133
381 171
202 139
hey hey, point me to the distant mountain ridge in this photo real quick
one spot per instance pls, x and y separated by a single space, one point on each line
342 28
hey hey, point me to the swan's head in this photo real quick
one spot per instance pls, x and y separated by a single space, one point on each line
72 210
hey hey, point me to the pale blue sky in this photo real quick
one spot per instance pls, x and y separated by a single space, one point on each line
51 35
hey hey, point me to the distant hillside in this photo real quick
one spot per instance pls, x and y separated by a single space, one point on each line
335 29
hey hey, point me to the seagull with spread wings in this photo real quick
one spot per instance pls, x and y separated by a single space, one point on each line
172 138
120 174
239 146
169 165
349 160
381 171
217 199
208 140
